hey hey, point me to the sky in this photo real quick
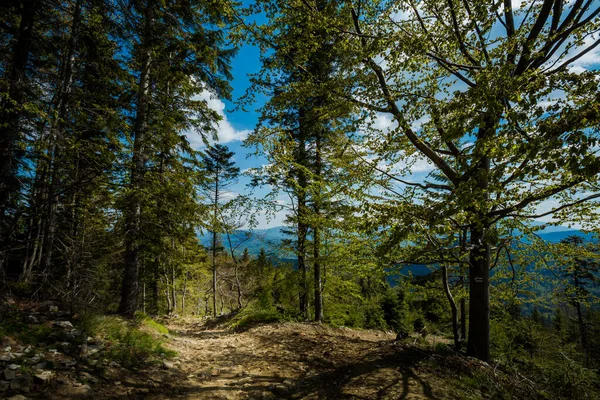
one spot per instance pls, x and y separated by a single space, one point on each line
236 125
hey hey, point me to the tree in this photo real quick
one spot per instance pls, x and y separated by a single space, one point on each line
178 53
221 172
581 268
472 92
300 131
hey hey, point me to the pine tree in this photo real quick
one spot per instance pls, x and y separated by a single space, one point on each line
221 172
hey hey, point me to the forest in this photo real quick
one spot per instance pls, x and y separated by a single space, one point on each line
427 170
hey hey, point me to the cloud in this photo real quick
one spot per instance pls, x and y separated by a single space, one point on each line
226 132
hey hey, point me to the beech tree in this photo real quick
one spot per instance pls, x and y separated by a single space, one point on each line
487 96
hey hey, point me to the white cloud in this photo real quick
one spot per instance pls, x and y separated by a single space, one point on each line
226 132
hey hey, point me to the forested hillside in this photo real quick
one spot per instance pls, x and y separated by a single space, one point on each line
175 172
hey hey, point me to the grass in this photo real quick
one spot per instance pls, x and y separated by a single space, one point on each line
12 326
253 315
129 343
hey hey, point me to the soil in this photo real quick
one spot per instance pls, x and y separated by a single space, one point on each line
280 361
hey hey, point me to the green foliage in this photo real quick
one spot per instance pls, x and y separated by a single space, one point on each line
255 315
144 320
127 343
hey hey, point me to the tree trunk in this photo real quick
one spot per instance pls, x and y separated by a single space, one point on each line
301 160
455 328
214 245
130 285
58 129
478 344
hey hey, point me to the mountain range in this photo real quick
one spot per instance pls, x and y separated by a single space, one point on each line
270 238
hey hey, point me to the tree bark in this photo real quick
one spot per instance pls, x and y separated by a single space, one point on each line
478 344
302 227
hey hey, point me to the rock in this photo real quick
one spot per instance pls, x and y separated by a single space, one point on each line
32 320
8 375
53 309
22 383
13 367
168 364
280 390
42 377
94 349
214 372
63 324
17 397
82 390
68 363
42 365
53 351
4 386
7 357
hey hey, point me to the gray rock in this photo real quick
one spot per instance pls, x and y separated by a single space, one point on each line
42 365
280 390
7 357
94 349
8 375
43 377
4 386
13 367
63 324
22 383
168 364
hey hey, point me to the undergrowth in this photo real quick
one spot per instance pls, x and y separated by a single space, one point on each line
128 343
254 314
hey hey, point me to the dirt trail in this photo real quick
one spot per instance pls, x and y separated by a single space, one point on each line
292 360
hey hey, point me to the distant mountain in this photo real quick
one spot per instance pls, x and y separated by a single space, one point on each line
271 238
556 237
253 240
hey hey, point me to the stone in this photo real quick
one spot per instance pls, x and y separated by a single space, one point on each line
42 365
168 364
53 308
280 390
8 375
63 324
82 390
94 349
4 386
17 397
53 351
13 367
32 320
7 357
42 377
22 383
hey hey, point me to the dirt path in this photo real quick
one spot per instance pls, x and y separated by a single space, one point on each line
300 361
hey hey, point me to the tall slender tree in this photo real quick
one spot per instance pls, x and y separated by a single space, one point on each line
221 172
